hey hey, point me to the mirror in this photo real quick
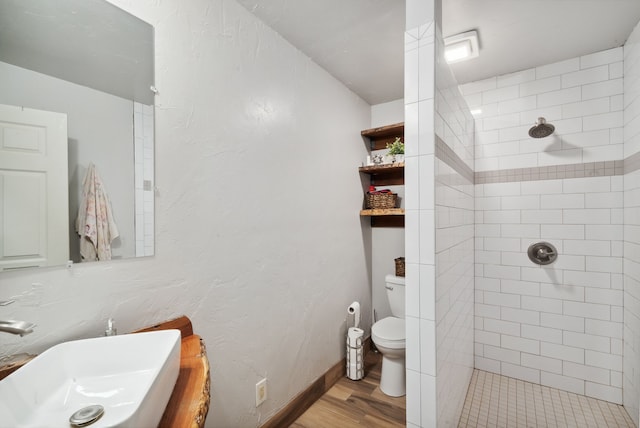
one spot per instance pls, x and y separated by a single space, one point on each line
93 62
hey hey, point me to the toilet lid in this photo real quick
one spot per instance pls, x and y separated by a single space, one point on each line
390 328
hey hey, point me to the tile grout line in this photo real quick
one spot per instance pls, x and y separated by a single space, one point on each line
540 173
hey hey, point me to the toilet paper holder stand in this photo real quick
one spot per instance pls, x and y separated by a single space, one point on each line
355 345
355 354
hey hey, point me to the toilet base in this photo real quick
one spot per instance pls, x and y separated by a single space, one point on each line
393 377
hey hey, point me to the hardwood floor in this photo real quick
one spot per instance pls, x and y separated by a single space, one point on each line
356 403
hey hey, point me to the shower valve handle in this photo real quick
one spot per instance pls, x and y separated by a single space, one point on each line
542 253
545 253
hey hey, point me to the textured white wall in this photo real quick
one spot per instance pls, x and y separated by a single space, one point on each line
387 113
258 237
387 243
100 130
631 358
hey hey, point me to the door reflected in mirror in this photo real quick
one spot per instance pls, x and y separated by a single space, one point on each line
92 62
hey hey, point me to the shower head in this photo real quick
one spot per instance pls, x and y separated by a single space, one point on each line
541 129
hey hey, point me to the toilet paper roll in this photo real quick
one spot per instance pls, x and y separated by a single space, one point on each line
355 345
355 360
354 309
354 334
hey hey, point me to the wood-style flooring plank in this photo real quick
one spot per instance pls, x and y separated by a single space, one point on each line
373 422
394 401
341 407
370 406
356 403
339 392
325 417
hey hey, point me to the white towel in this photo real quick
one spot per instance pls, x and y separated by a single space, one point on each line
95 223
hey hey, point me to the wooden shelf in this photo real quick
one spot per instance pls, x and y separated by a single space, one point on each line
380 212
385 175
382 169
379 137
392 217
384 131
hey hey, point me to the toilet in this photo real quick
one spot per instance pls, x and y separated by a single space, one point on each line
389 336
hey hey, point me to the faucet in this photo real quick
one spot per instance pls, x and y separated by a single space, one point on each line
15 327
111 330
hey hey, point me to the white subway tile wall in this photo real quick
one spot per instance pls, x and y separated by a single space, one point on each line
440 255
582 97
631 233
560 325
454 241
420 217
144 178
548 318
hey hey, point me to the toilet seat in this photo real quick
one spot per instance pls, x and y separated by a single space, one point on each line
389 333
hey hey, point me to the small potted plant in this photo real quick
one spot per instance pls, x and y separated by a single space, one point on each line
396 151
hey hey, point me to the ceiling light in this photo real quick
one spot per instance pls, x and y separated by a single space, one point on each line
461 47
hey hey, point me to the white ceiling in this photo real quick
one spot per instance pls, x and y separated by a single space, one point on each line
360 42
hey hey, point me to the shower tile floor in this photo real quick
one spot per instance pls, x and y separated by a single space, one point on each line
499 401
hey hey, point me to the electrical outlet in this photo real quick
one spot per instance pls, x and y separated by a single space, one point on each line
261 392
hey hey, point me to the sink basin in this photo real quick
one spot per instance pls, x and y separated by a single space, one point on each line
130 376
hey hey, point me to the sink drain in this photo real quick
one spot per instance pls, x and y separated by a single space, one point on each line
86 415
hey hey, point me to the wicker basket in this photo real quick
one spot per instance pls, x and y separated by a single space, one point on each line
381 200
399 266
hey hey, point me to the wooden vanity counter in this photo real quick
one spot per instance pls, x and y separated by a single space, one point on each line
189 402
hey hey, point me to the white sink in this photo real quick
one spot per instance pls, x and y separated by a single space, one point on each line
131 376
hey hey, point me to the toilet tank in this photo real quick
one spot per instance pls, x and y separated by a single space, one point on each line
395 294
